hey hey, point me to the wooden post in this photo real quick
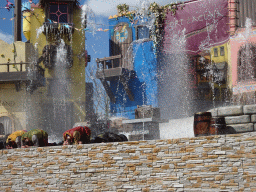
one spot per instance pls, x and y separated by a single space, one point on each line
17 21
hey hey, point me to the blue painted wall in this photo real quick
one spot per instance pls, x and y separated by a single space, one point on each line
143 79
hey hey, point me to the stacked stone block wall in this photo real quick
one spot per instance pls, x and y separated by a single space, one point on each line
212 163
242 118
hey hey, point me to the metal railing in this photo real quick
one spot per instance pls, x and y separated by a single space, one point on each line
8 66
20 68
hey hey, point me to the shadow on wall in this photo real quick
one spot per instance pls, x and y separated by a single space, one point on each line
227 130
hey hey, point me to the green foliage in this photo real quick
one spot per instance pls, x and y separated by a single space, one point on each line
161 13
122 8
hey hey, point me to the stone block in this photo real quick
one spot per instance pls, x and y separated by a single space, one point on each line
253 118
214 112
239 128
238 119
230 111
178 185
249 109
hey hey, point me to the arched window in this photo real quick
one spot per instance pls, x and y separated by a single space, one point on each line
7 125
247 62
1 129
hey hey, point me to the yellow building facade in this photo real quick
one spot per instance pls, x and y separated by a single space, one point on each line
35 99
221 70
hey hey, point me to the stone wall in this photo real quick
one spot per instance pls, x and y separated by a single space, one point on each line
242 118
212 163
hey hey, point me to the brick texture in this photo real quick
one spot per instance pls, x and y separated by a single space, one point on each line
212 163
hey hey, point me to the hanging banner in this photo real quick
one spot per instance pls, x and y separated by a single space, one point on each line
9 5
203 22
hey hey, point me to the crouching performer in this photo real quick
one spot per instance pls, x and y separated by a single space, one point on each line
14 139
77 135
34 137
109 137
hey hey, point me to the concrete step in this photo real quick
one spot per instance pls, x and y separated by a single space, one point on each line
240 128
238 119
230 111
249 109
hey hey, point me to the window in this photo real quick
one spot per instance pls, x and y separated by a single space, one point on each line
215 50
247 62
200 64
142 32
5 125
1 129
222 51
59 16
58 12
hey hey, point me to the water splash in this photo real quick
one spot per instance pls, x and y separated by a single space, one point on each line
32 103
245 63
60 89
248 28
143 15
248 31
175 92
88 18
247 54
39 31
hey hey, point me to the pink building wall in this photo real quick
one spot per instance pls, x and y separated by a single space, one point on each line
236 42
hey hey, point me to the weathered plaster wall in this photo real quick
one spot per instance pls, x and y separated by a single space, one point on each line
214 163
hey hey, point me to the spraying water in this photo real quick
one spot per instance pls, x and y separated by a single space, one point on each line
31 104
88 16
174 92
60 90
144 16
39 31
246 62
247 56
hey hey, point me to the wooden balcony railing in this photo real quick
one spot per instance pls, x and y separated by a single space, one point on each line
20 72
110 69
109 62
16 67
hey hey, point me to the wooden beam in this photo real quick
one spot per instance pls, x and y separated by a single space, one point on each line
113 72
126 88
17 21
108 58
108 90
14 76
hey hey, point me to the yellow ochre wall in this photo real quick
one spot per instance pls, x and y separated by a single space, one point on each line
224 58
77 71
13 103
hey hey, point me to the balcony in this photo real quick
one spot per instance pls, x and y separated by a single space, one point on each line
21 72
110 69
58 28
